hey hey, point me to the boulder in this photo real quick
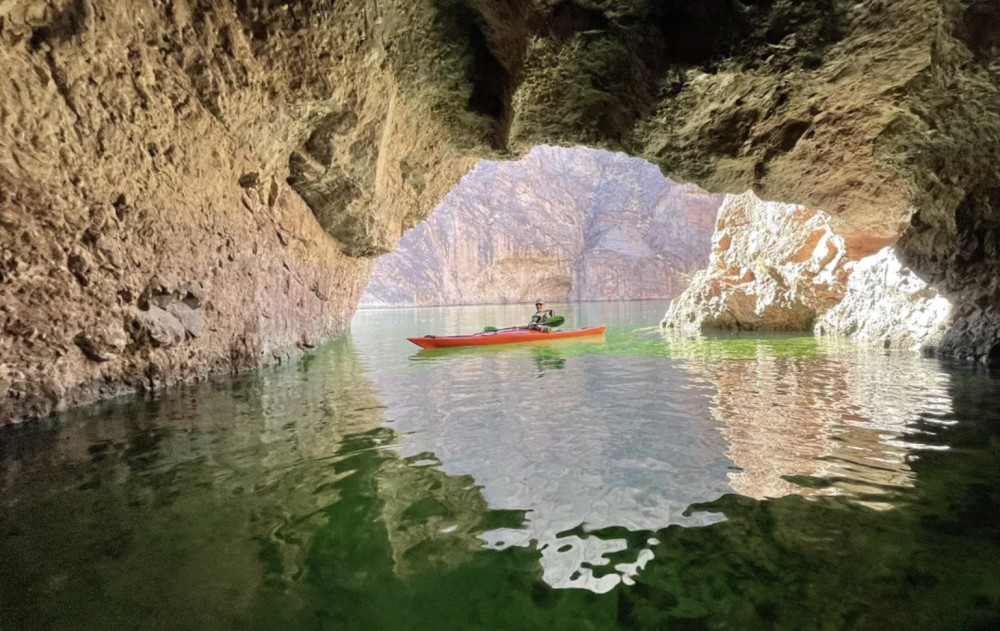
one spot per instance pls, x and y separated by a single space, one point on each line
773 267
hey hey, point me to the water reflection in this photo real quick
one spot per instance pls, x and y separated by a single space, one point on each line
812 416
547 359
637 429
602 444
380 488
110 508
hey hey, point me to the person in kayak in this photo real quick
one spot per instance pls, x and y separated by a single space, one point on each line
542 315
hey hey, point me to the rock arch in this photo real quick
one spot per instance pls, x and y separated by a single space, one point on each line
196 186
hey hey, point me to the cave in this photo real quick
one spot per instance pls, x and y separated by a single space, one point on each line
197 432
297 141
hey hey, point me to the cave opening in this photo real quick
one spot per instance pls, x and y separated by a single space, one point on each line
574 224
578 224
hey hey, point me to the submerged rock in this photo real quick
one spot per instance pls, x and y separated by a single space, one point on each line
773 267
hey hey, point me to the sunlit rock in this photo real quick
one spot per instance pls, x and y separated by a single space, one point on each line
781 267
773 266
564 223
886 302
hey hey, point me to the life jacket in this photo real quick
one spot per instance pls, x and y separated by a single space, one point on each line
541 317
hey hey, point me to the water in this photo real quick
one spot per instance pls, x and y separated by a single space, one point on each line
625 482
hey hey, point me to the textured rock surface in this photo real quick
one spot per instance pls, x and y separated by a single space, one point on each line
886 302
567 224
781 267
773 267
260 148
145 239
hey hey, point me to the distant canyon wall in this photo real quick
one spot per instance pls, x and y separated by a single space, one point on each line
191 187
563 224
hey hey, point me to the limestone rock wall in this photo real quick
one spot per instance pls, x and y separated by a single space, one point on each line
566 224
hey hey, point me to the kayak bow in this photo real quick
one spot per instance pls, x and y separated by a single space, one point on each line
513 336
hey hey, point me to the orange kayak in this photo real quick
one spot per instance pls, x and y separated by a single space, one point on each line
510 336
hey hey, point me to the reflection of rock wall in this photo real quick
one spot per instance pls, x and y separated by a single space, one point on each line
214 471
433 520
840 417
567 224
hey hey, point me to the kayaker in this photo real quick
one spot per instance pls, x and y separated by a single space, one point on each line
541 316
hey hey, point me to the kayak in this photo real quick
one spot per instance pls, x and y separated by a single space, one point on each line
508 336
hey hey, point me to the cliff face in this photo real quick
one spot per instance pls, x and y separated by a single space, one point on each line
567 224
191 186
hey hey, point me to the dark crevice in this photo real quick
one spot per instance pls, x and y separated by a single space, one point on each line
66 24
993 357
790 133
979 28
490 79
62 85
695 33
703 33
979 228
569 17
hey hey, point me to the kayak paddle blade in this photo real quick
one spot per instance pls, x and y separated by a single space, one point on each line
552 322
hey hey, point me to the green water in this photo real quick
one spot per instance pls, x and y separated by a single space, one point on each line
625 482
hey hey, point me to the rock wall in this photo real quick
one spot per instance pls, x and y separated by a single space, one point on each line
245 159
181 195
781 267
885 302
773 267
567 224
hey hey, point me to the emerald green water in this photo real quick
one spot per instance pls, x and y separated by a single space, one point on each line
625 482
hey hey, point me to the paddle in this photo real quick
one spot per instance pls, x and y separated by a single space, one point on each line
553 322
